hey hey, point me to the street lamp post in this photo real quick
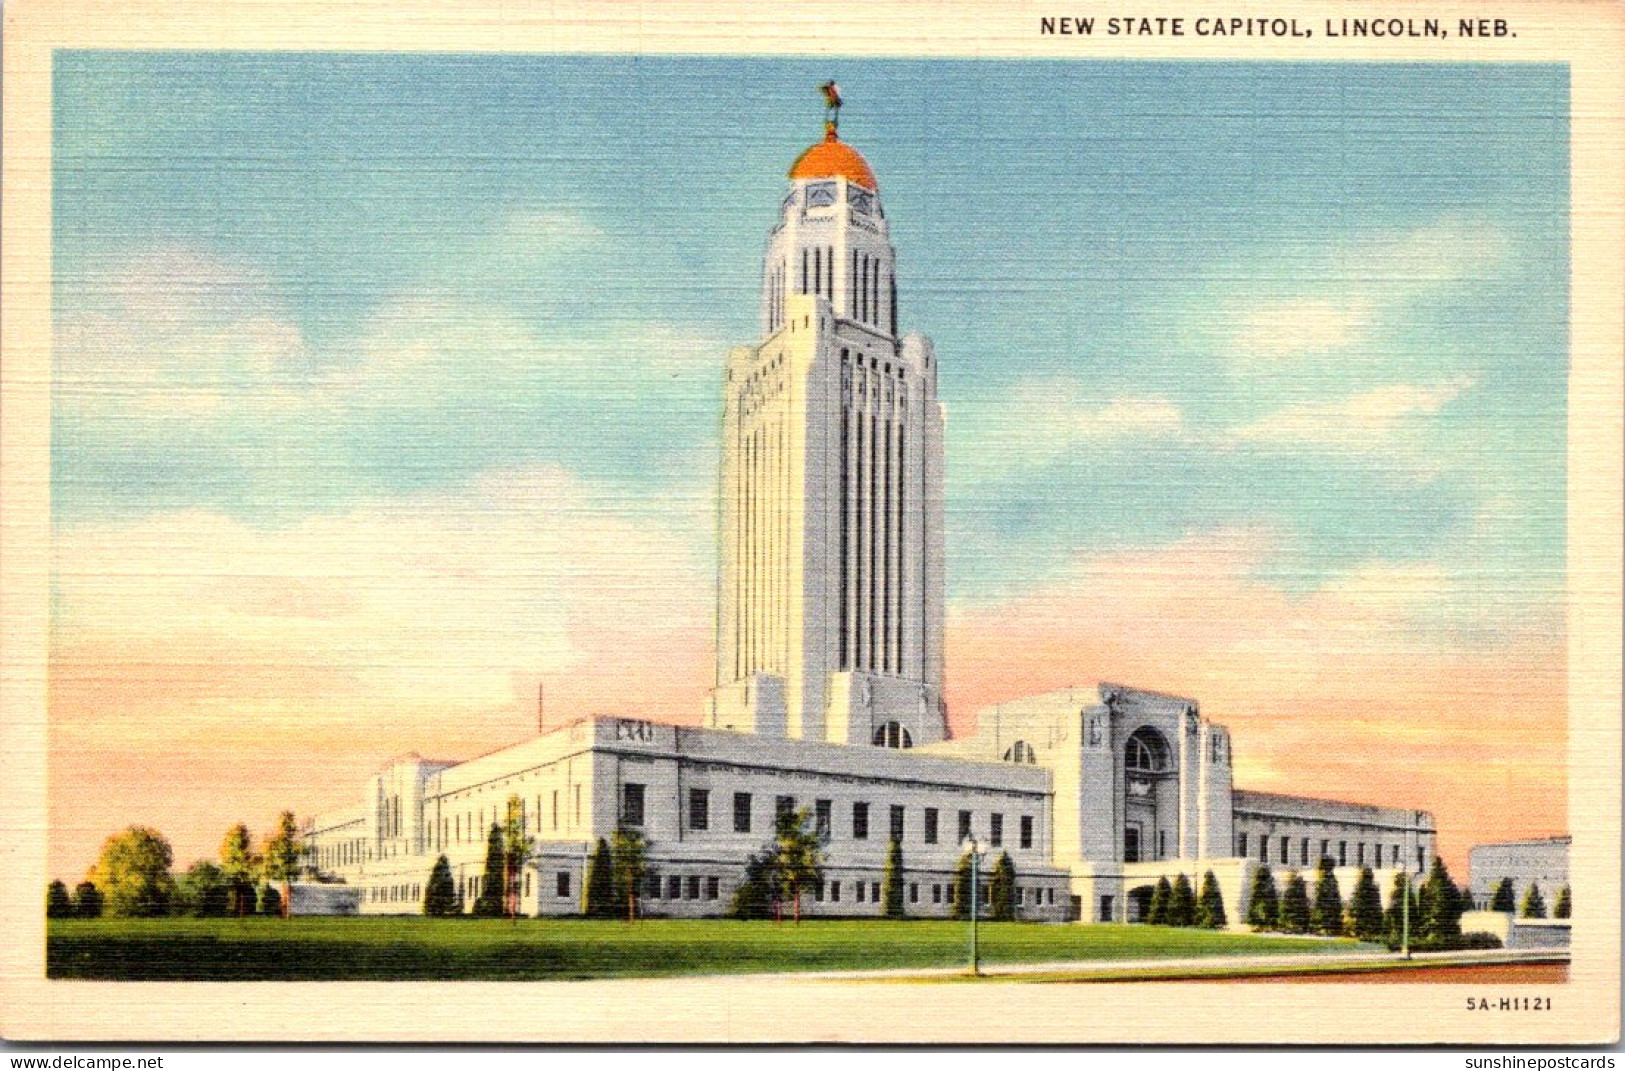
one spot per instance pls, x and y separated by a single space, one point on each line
975 900
1405 919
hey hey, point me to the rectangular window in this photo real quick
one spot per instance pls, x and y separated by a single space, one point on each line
1393 857
1241 845
674 887
631 804
1263 848
821 819
783 805
651 884
860 822
699 808
874 891
859 893
913 893
818 892
897 823
835 891
1305 848
995 833
930 825
1359 853
1325 850
936 894
693 886
713 888
1026 831
1342 853
564 883
741 812
964 826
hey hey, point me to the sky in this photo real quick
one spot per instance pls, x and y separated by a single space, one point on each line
387 387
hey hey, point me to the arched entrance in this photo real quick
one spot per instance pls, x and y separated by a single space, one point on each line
1147 761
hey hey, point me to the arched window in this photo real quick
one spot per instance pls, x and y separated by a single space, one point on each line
1021 753
1146 752
892 735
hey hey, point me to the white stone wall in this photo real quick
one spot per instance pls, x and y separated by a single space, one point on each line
1351 834
1544 862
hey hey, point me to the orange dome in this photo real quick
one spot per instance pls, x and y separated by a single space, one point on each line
834 158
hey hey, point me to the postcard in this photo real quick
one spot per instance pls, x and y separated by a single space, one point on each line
783 523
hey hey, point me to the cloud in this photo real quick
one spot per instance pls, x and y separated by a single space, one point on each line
1370 422
1344 298
1045 419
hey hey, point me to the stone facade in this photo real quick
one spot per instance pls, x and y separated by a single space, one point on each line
829 677
1543 861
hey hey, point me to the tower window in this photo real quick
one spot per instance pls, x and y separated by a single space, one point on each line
818 271
892 735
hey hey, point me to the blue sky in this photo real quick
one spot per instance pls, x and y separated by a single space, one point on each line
1327 301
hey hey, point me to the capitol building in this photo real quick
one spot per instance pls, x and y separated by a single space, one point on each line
829 676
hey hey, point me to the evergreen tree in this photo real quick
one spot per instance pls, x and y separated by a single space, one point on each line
488 904
630 854
1182 904
87 901
1534 904
1002 889
1156 913
1326 916
891 883
1263 906
601 900
1210 905
241 867
754 897
1504 898
132 873
962 882
1439 903
1365 919
1565 904
440 894
270 901
1294 915
57 903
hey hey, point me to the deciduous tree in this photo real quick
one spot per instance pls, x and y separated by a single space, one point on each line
133 873
284 852
58 905
203 891
517 849
799 858
240 866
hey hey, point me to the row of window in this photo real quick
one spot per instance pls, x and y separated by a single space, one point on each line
395 894
634 813
872 585
1282 851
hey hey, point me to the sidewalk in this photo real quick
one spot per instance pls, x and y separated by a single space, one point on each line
1202 964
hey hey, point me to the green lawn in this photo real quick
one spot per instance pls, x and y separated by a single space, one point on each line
309 949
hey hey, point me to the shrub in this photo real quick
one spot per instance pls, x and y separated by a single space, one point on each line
1002 889
1440 903
57 903
270 900
962 875
754 897
1157 913
1565 905
1182 904
87 901
1294 915
440 894
1504 899
1326 915
891 882
132 873
1210 905
1263 907
1534 904
601 901
1365 919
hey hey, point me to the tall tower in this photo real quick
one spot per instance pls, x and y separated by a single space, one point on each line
830 586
